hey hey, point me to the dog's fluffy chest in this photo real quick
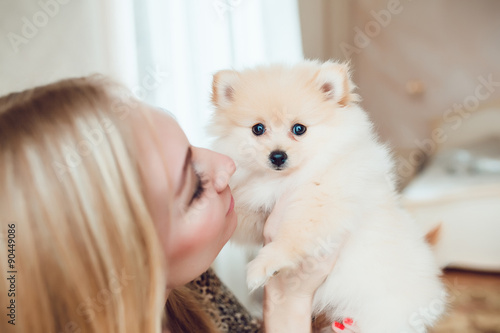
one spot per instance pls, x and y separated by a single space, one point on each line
258 193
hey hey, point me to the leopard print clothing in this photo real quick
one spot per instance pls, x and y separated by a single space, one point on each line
222 306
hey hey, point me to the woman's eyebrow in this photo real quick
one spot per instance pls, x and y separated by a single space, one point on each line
187 162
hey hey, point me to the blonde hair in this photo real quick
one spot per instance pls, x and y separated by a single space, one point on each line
86 254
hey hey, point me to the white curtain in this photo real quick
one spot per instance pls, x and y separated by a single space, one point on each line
186 42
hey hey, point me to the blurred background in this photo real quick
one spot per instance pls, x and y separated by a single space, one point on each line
428 72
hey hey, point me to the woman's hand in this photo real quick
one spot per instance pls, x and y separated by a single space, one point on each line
346 326
288 295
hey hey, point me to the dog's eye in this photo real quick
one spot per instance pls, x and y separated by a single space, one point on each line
298 129
258 129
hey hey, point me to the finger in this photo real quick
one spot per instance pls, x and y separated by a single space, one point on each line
351 325
338 327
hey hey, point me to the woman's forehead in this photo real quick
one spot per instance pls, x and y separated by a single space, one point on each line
172 142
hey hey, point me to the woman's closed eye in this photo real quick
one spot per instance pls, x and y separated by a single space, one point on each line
201 183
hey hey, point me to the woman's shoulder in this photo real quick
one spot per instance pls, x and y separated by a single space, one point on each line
226 311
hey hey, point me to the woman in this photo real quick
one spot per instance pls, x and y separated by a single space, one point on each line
107 213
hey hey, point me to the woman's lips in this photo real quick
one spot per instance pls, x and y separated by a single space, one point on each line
231 206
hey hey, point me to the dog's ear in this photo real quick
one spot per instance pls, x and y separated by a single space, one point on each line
223 87
334 80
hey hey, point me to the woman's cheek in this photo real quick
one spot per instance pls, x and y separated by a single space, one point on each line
211 219
218 211
193 238
203 224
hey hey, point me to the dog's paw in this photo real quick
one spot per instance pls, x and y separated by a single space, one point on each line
259 271
268 263
256 275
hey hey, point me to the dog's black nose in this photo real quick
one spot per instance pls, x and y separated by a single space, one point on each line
278 157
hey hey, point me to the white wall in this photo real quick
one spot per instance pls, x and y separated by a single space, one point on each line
43 41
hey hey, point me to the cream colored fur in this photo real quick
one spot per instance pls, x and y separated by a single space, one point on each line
335 195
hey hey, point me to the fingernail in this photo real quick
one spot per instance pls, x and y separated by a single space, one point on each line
348 321
339 325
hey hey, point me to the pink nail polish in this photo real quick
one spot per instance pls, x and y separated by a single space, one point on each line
339 325
348 321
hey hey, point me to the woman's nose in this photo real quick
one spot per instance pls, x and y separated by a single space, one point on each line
225 169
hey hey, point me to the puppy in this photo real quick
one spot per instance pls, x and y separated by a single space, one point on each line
312 179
